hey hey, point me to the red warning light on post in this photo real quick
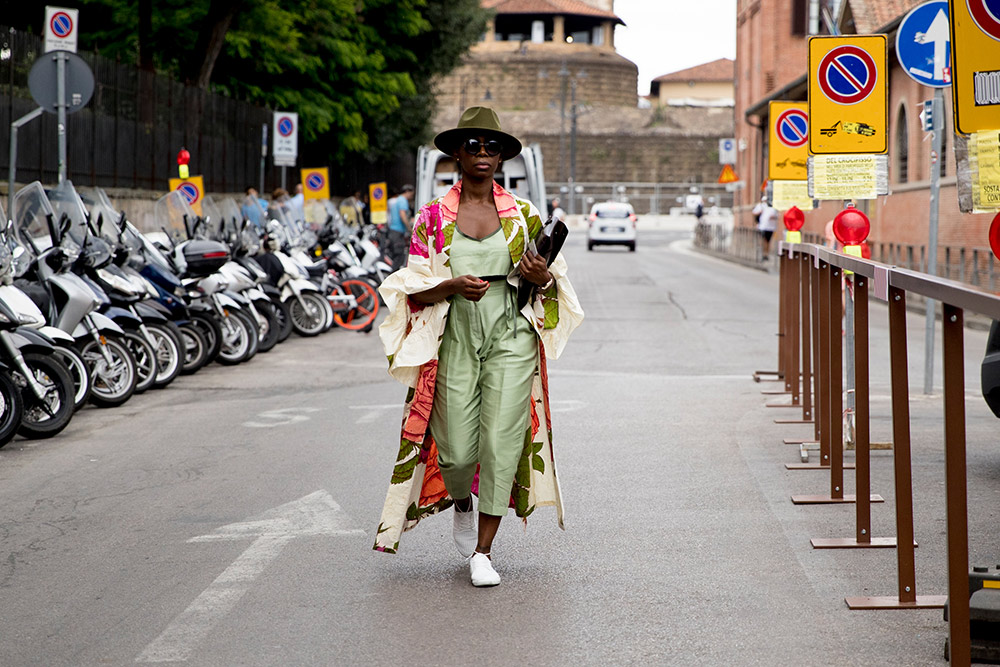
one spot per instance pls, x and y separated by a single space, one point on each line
995 235
851 226
183 159
794 219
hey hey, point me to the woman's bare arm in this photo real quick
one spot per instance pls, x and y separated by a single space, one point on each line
471 287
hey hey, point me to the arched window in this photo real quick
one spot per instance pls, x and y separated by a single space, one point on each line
902 147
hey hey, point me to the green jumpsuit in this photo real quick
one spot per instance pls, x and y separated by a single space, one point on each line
486 363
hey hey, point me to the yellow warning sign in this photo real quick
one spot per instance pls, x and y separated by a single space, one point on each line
728 175
193 189
975 65
316 183
788 141
848 95
378 200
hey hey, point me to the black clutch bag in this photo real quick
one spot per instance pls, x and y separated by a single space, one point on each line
548 244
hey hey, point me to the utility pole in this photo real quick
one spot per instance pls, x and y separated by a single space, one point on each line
563 84
937 119
572 149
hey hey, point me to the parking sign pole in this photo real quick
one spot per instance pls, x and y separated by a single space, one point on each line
932 234
61 110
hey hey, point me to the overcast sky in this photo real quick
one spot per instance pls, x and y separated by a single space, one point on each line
662 36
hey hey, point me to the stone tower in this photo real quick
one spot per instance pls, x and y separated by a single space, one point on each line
530 46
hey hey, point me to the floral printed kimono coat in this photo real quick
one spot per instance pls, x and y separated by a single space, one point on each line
412 334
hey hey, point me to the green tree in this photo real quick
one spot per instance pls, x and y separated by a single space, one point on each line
358 72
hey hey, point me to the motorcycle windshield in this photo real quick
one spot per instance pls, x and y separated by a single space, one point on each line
173 215
69 207
214 220
103 214
31 212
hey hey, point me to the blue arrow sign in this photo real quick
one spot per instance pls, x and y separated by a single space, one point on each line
922 44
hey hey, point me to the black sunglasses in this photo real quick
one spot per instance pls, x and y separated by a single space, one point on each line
473 146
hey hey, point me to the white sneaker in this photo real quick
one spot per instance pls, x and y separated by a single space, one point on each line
464 531
481 568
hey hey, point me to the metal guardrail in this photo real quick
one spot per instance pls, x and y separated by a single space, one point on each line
811 365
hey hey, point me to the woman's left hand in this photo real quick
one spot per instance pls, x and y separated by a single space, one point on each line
533 268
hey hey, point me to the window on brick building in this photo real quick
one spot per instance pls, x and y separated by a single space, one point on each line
800 17
901 158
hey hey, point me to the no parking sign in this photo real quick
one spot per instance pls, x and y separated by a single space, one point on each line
316 183
192 188
789 134
60 29
378 201
848 97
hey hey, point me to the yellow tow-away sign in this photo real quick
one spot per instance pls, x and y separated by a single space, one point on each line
788 150
848 95
193 189
316 183
975 64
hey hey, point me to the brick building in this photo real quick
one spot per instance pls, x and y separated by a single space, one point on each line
709 84
771 59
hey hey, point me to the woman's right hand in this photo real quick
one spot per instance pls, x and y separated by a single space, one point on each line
470 287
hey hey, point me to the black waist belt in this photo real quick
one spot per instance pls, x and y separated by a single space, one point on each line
493 279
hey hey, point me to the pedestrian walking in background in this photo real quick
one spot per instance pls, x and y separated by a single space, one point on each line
477 416
297 203
352 209
557 212
767 223
400 226
254 209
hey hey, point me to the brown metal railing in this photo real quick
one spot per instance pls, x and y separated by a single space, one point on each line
811 366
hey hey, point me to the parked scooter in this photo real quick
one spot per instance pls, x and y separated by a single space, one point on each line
42 257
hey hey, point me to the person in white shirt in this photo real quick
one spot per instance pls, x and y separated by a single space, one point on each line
557 212
767 223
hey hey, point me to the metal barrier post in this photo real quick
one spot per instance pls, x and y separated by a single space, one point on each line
831 380
782 287
956 491
907 597
862 538
809 415
792 324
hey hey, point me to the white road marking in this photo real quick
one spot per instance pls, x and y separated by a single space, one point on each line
315 514
280 417
374 413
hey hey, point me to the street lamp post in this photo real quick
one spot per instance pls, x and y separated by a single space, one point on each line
569 82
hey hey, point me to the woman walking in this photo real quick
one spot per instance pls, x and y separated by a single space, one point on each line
477 417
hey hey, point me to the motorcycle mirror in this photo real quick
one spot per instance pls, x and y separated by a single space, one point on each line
52 229
187 227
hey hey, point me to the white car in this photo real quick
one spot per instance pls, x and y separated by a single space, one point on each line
611 223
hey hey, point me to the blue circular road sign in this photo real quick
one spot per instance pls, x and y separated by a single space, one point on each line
792 128
315 182
922 42
847 74
61 24
285 126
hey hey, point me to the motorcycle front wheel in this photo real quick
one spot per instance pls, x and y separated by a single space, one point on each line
11 408
308 315
78 370
114 377
145 360
45 417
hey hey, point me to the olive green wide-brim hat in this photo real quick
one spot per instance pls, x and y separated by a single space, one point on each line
477 121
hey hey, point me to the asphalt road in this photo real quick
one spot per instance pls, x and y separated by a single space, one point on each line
228 519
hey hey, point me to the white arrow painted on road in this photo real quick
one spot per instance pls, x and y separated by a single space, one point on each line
281 417
315 514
